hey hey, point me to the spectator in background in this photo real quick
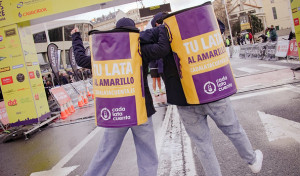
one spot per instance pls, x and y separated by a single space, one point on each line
153 65
273 34
291 36
62 79
267 32
264 38
251 37
228 41
238 39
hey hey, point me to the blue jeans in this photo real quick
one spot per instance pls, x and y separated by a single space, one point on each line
110 145
194 118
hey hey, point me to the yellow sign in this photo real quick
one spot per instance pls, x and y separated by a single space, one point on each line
295 4
15 11
23 92
245 26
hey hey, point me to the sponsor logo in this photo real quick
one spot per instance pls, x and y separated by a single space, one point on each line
2 12
296 21
37 74
10 32
4 69
13 56
12 103
31 75
105 114
19 5
2 58
7 80
33 12
294 10
209 88
2 46
20 77
35 63
1 38
36 97
17 66
28 63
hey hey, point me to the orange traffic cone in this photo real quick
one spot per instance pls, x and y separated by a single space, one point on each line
88 92
80 102
66 110
70 108
63 114
86 100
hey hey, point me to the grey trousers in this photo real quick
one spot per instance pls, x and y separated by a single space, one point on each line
110 145
194 118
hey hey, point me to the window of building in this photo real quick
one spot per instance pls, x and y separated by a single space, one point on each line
277 27
40 37
67 32
272 1
274 13
55 35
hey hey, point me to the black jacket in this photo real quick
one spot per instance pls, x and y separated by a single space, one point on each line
150 51
174 90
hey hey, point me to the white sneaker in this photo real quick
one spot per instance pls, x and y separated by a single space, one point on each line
256 167
162 91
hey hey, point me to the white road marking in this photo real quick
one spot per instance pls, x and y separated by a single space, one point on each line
188 150
273 66
58 169
162 131
259 93
248 70
278 128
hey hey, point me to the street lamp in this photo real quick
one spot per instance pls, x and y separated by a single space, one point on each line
224 2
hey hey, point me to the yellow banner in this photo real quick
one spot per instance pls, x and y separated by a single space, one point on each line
21 81
15 11
14 82
33 69
295 7
245 26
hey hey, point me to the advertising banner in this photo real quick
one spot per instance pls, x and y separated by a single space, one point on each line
78 76
3 114
53 57
15 83
34 72
118 81
295 4
16 11
79 86
282 48
60 95
72 94
200 54
244 21
293 48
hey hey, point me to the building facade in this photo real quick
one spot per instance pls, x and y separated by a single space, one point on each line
58 32
277 13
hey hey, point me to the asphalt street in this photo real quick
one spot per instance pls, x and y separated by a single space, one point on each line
267 105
